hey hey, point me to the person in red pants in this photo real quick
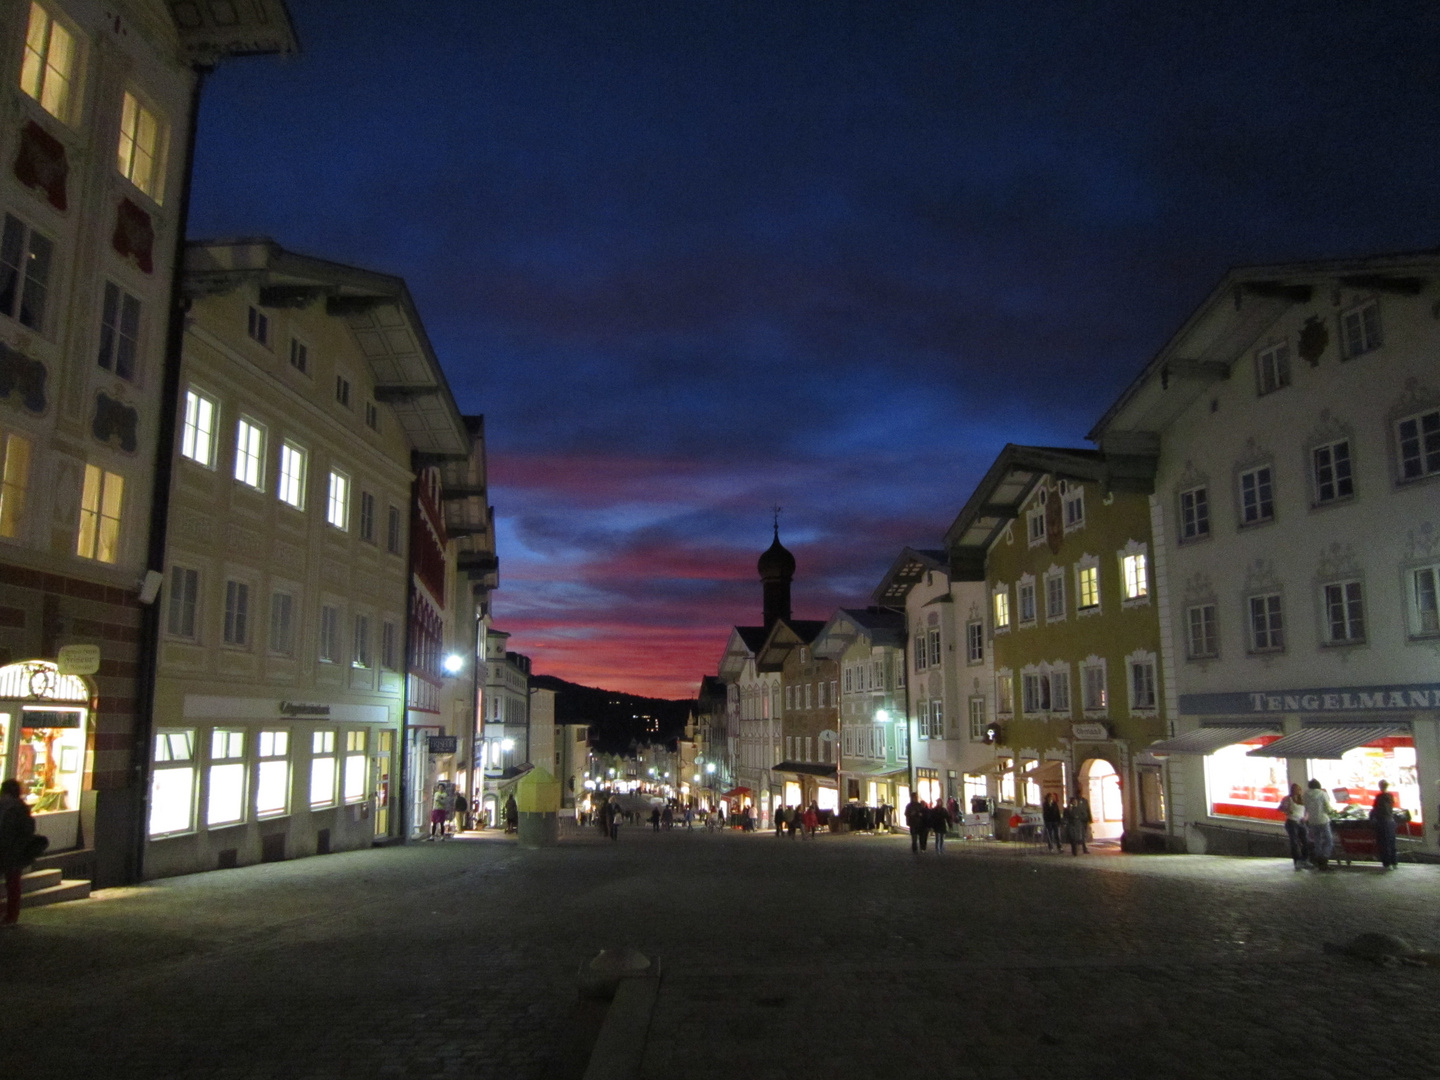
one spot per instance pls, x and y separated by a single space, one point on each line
17 832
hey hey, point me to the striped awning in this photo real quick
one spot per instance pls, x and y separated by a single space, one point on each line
1326 740
1207 740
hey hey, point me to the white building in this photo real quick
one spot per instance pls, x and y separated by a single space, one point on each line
1296 418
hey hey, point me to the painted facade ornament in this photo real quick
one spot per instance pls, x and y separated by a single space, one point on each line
41 164
1314 339
134 236
115 422
23 376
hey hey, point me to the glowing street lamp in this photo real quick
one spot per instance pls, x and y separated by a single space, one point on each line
453 663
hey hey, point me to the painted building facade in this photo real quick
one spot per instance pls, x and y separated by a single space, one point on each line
808 715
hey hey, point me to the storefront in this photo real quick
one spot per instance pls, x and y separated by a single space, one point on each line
44 732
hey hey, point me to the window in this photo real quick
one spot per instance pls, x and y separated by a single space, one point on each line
282 624
337 508
172 783
48 72
1033 698
1419 444
140 156
937 719
392 530
975 641
1333 479
372 416
1097 695
934 640
237 613
258 326
1074 507
329 634
388 648
1257 502
299 356
1344 613
292 475
1267 632
1133 576
1425 600
1004 693
367 517
1027 602
1035 526
322 769
119 331
1202 635
225 801
272 773
25 261
250 453
1360 329
362 641
977 719
1142 684
1272 368
14 483
184 595
1060 690
342 390
849 681
354 766
922 654
1002 609
1087 587
197 437
1194 514
100 504
922 720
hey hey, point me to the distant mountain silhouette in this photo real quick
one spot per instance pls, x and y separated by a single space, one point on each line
618 722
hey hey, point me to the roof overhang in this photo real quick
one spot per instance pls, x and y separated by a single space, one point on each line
210 32
907 571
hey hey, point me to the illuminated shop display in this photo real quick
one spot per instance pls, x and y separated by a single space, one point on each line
1246 787
44 724
1358 774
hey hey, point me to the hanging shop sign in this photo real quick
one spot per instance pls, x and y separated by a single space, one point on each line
78 660
443 744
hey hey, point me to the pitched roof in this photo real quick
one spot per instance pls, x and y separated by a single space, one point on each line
905 573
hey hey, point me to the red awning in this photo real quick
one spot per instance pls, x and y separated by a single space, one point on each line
735 792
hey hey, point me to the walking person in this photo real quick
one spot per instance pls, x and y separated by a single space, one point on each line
460 807
19 846
1293 807
917 818
1077 823
811 821
780 815
1051 819
1318 809
655 818
512 815
939 825
1382 817
439 811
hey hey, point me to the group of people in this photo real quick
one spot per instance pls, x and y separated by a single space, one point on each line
1067 824
447 802
1312 840
793 819
925 821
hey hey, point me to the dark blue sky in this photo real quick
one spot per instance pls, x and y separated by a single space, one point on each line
695 258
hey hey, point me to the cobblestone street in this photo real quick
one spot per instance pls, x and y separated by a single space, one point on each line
841 957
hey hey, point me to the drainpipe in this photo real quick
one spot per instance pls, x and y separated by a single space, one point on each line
149 651
402 784
909 673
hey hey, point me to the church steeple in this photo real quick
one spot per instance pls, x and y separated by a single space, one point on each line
777 569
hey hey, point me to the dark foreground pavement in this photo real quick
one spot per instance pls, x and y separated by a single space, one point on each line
843 957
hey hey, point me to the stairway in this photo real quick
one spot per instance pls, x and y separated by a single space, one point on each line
41 887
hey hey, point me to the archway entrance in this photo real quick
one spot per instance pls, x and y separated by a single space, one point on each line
1101 785
44 723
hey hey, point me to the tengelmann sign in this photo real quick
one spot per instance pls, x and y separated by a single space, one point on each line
1353 699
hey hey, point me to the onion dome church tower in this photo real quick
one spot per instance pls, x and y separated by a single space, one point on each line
777 570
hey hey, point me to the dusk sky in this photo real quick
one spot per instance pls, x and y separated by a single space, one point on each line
695 258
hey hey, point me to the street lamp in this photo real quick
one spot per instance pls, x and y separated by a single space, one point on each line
453 663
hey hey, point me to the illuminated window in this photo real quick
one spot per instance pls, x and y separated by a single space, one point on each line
1257 496
119 331
272 773
25 262
14 483
354 766
1419 443
142 147
1132 573
1360 329
100 505
1087 587
1194 514
172 783
184 599
337 507
197 437
1272 368
1002 609
250 453
1333 478
237 613
1202 633
225 799
292 475
1267 629
1344 613
282 624
322 769
51 65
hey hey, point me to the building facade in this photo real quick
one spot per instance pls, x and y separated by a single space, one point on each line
808 715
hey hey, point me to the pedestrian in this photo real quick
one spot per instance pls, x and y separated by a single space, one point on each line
19 846
1051 818
614 823
439 811
512 815
460 808
667 818
1293 807
1077 823
1382 817
939 824
655 818
780 816
811 820
792 821
953 806
1318 809
917 819
689 818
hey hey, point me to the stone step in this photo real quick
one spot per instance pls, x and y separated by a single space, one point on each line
56 894
36 880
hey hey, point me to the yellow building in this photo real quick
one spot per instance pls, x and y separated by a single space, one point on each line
1061 538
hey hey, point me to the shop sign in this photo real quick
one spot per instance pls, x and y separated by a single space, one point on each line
300 708
443 744
1090 732
78 659
1354 699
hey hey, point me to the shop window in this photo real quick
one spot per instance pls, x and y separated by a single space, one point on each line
1332 473
272 774
14 483
172 783
355 763
1272 368
250 453
282 624
1419 438
1238 785
119 331
1425 601
184 601
197 436
1194 514
26 258
1257 496
1002 611
1359 771
50 70
1267 624
237 613
291 488
337 507
100 506
322 769
1344 613
975 642
225 798
1202 632
1027 602
1360 329
140 156
1152 796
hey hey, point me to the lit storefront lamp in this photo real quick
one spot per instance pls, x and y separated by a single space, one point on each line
507 745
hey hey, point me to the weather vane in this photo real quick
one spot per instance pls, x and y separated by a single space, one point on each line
776 509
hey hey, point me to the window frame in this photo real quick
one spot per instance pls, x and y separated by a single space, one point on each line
1194 523
17 453
1419 601
1427 446
337 500
394 531
287 630
1073 496
231 760
324 762
121 312
288 479
157 153
1262 502
104 529
328 639
1348 596
1087 565
1000 609
366 530
271 758
1334 466
235 628
162 762
299 355
250 453
257 327
1272 368
30 274
1371 334
1273 635
1026 591
182 605
191 430
975 641
1208 645
67 109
